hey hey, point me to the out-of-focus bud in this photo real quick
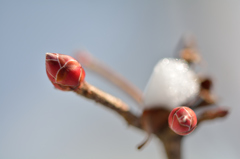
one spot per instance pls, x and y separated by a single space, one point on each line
190 55
206 83
189 51
63 71
182 120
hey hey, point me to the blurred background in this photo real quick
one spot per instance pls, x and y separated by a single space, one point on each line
38 121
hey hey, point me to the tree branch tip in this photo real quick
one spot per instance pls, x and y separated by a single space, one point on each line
140 146
213 114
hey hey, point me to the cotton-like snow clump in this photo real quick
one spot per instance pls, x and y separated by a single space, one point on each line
171 84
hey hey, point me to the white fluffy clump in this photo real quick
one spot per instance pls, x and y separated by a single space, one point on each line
171 84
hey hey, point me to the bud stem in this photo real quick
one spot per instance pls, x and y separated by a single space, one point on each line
108 101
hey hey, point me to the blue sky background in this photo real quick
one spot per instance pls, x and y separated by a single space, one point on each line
37 121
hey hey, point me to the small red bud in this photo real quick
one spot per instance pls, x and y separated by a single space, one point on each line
63 71
182 120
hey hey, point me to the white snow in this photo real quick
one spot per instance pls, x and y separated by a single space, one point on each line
171 84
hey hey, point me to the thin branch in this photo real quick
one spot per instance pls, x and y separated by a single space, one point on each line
212 114
171 141
93 64
144 141
109 102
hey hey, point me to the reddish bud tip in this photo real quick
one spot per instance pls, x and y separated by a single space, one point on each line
182 120
64 71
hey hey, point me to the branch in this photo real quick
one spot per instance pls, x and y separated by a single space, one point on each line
212 114
109 102
172 143
93 64
173 147
66 74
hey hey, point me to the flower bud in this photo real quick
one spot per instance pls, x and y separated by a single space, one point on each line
182 120
63 71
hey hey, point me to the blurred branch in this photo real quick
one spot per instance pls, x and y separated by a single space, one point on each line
212 114
172 143
173 147
93 64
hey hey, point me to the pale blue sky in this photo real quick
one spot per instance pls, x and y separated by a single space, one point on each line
37 121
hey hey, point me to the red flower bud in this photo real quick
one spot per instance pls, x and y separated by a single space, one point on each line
182 120
63 71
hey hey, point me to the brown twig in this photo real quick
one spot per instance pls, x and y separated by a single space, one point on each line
171 141
93 64
212 114
153 121
110 102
